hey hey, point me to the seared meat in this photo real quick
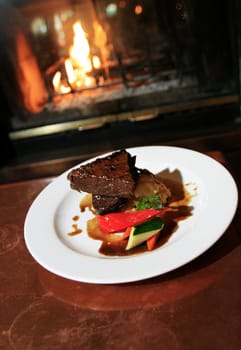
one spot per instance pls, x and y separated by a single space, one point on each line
111 180
110 176
107 204
114 180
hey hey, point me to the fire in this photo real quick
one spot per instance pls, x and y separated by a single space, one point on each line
58 85
79 52
77 65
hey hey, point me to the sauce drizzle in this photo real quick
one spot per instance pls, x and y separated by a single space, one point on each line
114 245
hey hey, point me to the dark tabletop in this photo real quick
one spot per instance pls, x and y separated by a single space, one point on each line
197 306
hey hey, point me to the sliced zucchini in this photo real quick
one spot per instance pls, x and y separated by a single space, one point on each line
142 232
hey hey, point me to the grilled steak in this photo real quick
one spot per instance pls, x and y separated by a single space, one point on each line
112 177
107 204
113 180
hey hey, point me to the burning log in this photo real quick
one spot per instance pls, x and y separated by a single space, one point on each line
23 75
29 77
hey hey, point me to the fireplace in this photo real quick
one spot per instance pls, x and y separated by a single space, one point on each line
68 66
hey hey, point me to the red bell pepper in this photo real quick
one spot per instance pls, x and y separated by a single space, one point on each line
117 222
126 233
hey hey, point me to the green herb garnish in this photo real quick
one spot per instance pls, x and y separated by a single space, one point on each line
153 202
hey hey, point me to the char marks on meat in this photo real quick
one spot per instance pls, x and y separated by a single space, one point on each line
111 180
114 180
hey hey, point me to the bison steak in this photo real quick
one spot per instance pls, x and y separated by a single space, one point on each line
111 180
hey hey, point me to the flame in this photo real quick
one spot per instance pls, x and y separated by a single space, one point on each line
96 62
59 86
80 51
77 65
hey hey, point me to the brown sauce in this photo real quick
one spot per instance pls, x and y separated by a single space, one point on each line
76 230
114 245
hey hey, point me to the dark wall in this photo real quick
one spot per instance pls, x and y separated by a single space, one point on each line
6 147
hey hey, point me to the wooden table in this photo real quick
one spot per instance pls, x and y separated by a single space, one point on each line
197 306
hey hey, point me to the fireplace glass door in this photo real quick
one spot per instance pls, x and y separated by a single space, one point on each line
85 63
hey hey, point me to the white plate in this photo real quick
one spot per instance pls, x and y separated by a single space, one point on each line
49 220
